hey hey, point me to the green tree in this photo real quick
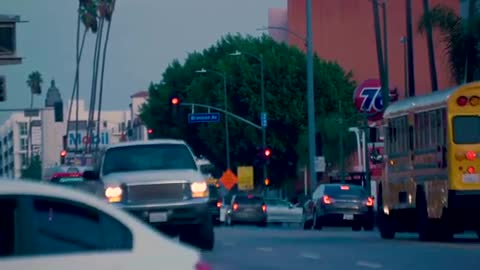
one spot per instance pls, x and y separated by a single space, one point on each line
461 39
34 169
285 102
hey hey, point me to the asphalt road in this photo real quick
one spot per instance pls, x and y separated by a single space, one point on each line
244 247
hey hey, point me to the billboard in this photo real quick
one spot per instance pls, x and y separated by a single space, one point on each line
81 139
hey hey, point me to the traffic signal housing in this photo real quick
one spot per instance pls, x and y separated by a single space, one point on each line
175 100
266 182
3 89
267 152
150 133
63 155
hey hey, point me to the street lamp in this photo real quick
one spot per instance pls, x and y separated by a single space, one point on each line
225 100
304 39
263 115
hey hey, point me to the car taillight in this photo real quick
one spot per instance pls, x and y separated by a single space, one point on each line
202 266
235 206
462 101
369 201
264 208
327 200
219 204
470 155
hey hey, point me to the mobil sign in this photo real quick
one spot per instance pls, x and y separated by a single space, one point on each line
368 99
81 139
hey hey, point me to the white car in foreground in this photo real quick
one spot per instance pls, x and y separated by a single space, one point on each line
48 227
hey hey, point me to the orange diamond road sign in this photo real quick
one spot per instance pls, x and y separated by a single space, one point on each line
229 179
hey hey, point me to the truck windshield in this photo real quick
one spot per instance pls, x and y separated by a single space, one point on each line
148 157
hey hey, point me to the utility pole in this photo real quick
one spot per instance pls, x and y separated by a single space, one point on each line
385 48
367 157
342 157
311 100
381 63
411 64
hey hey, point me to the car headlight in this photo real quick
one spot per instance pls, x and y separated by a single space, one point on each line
113 194
199 189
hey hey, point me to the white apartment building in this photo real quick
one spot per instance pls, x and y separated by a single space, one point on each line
14 144
138 129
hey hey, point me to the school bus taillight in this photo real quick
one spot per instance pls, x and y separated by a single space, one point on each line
462 101
474 100
470 155
471 170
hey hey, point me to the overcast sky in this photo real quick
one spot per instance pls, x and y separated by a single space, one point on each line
146 36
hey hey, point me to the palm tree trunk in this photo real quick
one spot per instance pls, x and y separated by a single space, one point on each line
470 54
29 140
93 94
430 48
100 94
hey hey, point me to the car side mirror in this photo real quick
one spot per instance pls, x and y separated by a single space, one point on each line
91 175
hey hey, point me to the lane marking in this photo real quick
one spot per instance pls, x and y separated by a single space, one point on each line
265 249
309 256
369 264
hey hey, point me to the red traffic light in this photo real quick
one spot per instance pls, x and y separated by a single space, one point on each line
175 101
63 153
150 131
267 152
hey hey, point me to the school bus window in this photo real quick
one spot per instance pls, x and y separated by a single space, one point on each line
433 125
466 129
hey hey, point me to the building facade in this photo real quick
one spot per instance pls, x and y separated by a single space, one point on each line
14 144
343 31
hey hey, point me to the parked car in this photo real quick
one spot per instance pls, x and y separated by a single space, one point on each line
45 226
159 182
281 211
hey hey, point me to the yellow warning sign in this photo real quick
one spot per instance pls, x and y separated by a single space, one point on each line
245 178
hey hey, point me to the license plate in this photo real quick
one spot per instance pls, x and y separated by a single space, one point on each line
348 217
471 178
158 217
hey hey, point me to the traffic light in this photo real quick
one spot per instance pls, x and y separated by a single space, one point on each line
58 111
63 155
267 152
267 182
3 89
175 100
150 133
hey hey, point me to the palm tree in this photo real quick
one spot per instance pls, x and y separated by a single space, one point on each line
34 82
88 23
106 8
461 39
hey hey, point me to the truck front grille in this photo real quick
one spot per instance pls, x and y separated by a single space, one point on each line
143 193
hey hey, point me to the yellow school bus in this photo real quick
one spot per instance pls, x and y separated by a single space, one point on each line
431 183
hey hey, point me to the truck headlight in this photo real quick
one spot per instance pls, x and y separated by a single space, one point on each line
199 189
114 194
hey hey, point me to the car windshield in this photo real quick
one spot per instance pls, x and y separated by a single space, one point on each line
148 157
279 203
345 190
251 200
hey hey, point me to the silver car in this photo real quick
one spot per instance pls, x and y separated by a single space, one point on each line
281 211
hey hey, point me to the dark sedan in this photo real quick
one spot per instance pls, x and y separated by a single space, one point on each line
340 204
247 209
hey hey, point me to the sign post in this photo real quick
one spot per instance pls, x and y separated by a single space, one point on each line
245 178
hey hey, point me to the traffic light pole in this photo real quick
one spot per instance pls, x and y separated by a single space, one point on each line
264 128
193 105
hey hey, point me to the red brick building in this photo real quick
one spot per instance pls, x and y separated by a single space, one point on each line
343 31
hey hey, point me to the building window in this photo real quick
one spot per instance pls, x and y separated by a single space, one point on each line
23 143
23 160
23 127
